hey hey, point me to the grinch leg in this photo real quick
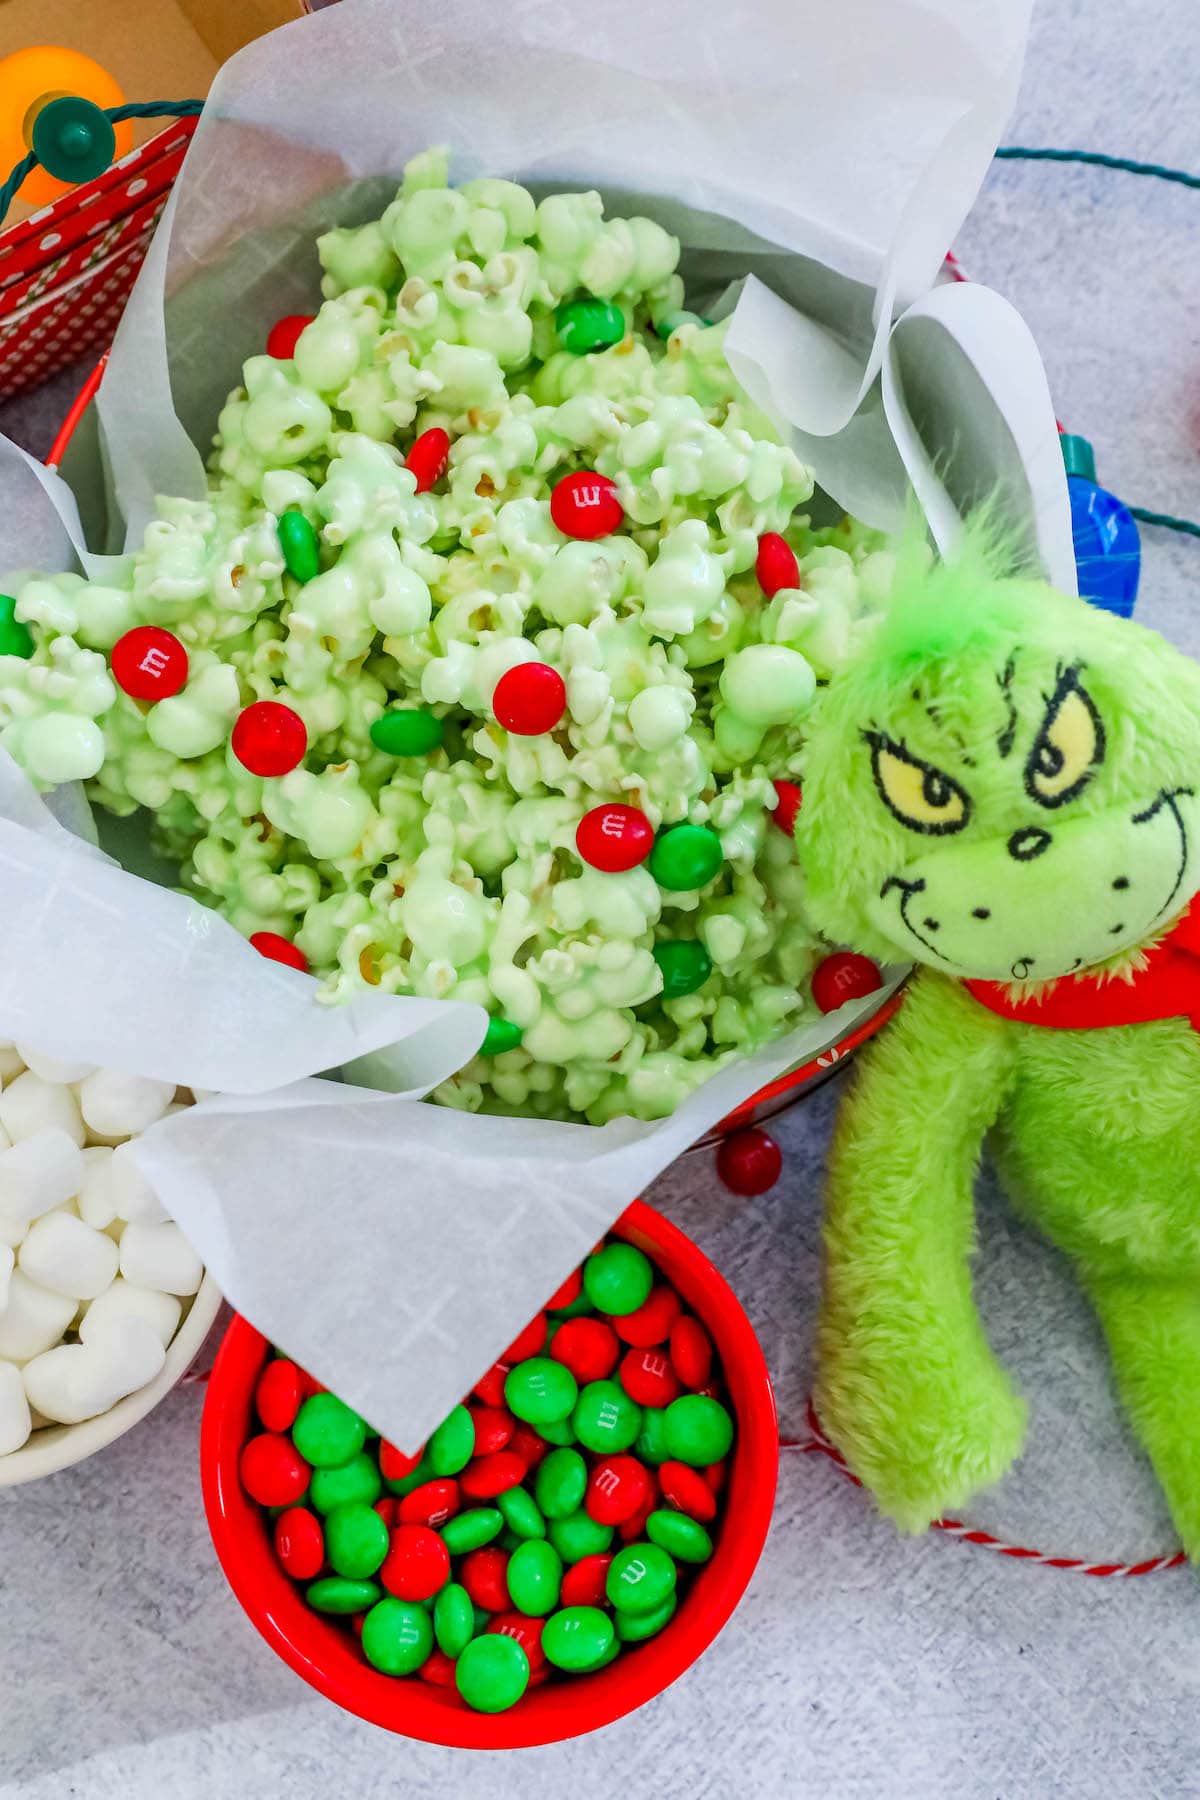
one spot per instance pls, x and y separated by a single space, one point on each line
1153 1331
907 1386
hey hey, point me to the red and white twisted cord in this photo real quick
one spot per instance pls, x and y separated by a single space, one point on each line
819 1445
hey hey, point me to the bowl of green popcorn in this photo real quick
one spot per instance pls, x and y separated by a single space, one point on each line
483 671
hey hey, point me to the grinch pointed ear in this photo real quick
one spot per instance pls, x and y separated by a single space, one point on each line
981 592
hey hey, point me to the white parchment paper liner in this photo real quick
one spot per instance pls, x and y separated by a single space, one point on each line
828 152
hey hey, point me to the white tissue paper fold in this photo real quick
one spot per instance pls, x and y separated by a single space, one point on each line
828 152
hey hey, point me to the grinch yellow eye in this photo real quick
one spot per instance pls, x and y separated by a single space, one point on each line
920 795
1068 748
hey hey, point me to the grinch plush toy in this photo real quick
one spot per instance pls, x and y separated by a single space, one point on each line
1002 787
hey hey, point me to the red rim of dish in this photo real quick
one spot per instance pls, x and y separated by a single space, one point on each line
326 1655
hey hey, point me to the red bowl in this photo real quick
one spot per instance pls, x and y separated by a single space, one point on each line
326 1654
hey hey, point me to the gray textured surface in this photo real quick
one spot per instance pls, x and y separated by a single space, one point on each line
859 1664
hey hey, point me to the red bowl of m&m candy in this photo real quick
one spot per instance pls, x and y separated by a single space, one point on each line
568 1541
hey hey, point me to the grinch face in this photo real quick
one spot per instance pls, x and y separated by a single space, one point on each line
1022 809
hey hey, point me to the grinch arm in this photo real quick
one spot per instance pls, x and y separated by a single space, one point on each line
907 1386
1153 1330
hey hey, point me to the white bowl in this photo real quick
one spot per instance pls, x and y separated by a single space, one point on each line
55 1447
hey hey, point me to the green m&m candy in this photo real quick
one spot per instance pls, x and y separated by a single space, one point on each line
534 1576
640 1577
685 966
492 1672
397 1636
501 1035
618 1279
453 1443
686 856
605 1418
557 1431
577 1637
681 1537
404 1484
699 1430
540 1391
453 1619
326 1432
633 1628
16 639
587 325
471 1529
578 1535
298 541
561 1483
521 1514
651 1441
356 1540
359 1479
409 731
337 1594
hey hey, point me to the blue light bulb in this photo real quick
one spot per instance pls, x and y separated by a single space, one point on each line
1108 551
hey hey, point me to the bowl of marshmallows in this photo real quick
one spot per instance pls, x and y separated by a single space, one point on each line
103 1302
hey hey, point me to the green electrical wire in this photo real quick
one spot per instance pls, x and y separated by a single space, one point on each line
1023 153
137 109
1167 521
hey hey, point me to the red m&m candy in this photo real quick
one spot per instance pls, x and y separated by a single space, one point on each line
494 1428
484 1574
279 949
687 1491
585 1582
614 837
278 1394
430 1504
526 1631
488 1476
585 505
281 339
844 976
530 699
529 1445
300 1543
691 1352
588 1347
787 793
273 1471
393 1464
648 1378
567 1294
490 1387
652 1321
438 1669
149 663
269 738
616 1490
776 565
528 1342
428 458
417 1564
749 1162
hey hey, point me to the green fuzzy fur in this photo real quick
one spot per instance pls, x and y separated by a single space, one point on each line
1097 1133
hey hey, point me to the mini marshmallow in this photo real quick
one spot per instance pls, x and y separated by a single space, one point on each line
118 1105
10 1062
12 1231
30 1105
7 1264
68 1257
52 1068
34 1319
39 1172
159 1256
97 1204
132 1196
123 1300
15 1422
77 1381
